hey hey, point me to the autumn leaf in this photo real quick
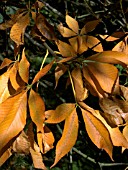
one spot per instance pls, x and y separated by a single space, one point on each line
42 72
18 29
24 68
60 113
37 109
6 155
97 132
12 117
80 90
72 23
69 136
112 57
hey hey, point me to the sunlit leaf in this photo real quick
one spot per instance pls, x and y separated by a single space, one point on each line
18 29
65 32
103 74
65 49
6 62
112 57
24 68
42 72
5 156
94 43
37 159
68 138
60 113
91 25
37 109
97 132
72 23
12 117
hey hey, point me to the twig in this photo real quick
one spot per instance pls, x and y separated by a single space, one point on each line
52 9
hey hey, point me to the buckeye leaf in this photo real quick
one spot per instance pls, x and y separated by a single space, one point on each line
60 113
37 109
97 132
68 138
12 117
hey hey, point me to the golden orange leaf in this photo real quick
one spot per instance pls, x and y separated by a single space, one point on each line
112 57
42 72
37 109
5 156
72 23
65 32
37 159
80 90
60 113
94 43
97 132
6 62
12 117
18 29
103 75
68 138
65 49
24 68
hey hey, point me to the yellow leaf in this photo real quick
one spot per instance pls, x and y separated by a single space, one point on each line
24 68
97 132
12 117
68 138
5 156
37 109
60 113
72 23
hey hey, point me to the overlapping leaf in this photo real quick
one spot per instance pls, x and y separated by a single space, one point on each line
69 136
37 109
12 117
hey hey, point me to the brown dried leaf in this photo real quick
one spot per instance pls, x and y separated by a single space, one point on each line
21 144
44 27
69 136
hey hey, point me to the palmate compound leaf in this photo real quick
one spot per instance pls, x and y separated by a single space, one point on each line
97 132
37 109
60 113
42 72
24 68
12 117
69 136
